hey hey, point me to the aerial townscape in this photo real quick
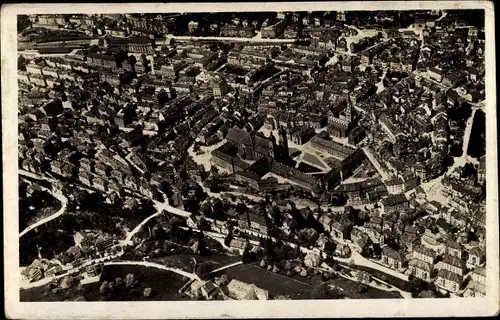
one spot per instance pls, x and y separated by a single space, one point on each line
252 155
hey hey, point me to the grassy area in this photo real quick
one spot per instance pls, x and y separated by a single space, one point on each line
165 286
298 287
354 290
36 207
304 167
43 294
274 283
50 241
313 159
185 261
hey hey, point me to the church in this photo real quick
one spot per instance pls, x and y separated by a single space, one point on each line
253 146
341 122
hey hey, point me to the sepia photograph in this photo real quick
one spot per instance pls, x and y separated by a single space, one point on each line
217 161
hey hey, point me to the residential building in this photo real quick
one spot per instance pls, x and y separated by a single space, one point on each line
356 135
341 229
453 264
435 74
102 60
454 249
221 88
421 269
30 274
475 290
476 257
274 30
476 287
394 203
392 258
395 185
81 239
243 291
423 253
449 281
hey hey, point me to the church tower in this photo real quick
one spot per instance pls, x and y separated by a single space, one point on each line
348 110
283 143
274 145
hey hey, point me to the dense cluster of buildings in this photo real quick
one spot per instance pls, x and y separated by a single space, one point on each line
74 259
126 116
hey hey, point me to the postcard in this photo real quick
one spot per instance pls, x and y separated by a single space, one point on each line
249 160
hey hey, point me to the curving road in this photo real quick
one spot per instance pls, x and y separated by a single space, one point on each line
227 267
160 206
64 202
155 265
138 227
355 257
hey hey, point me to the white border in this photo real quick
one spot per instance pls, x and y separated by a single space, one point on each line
242 309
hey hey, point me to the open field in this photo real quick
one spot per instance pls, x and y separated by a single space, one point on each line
185 261
350 289
276 284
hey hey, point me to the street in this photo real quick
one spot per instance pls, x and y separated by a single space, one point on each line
155 265
64 202
232 39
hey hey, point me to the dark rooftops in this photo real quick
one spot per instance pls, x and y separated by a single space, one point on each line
453 261
102 56
391 253
450 276
236 134
394 200
421 265
424 250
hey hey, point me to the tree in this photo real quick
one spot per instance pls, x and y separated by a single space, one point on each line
21 63
219 212
23 22
245 258
223 280
130 280
103 289
241 208
362 288
228 239
204 269
330 246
